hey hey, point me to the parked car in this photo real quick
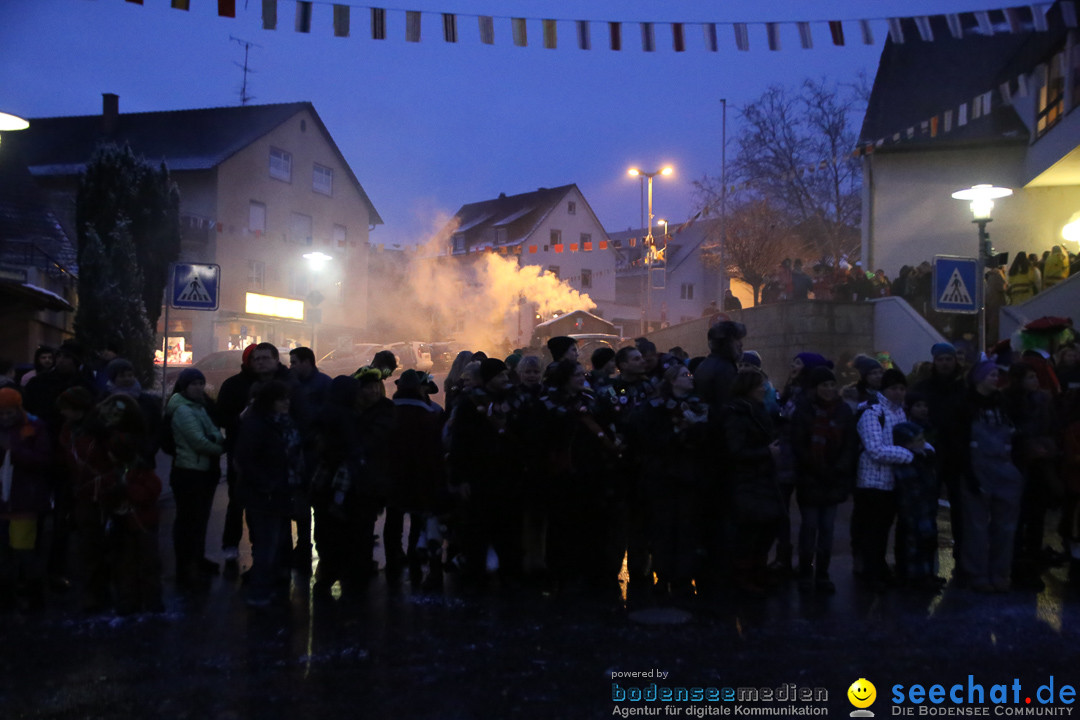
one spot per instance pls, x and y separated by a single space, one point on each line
346 360
413 355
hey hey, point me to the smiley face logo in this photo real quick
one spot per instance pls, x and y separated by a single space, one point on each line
862 693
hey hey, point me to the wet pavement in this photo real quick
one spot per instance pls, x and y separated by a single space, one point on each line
396 652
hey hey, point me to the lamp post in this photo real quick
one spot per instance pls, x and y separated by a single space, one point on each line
982 199
11 123
316 261
635 172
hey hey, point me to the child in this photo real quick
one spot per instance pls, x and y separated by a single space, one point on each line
916 496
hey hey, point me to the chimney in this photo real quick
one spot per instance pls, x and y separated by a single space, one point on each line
110 110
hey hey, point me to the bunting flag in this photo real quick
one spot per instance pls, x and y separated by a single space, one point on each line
922 24
678 39
742 39
584 39
551 38
303 16
648 40
955 26
712 43
961 118
341 20
948 120
836 29
487 29
933 126
773 32
269 14
867 32
616 35
378 24
412 26
1032 17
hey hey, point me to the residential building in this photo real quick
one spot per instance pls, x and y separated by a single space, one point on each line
552 229
989 99
261 186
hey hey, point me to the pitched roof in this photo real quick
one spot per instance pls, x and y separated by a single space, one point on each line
519 215
918 80
199 139
29 231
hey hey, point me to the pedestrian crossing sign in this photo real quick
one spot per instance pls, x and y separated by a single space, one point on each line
956 289
195 286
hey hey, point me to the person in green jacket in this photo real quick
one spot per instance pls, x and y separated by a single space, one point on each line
196 470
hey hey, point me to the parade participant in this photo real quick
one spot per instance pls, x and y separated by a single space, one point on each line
270 465
824 446
196 470
25 464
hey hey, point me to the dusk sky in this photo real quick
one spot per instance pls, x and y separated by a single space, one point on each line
430 126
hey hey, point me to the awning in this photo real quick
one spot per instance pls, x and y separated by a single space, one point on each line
39 297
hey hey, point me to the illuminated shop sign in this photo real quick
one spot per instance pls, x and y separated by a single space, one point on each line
274 306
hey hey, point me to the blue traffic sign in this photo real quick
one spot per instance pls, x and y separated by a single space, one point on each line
194 286
956 286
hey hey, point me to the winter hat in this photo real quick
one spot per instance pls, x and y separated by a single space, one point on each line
491 367
245 358
942 348
512 360
187 377
601 357
558 346
905 432
865 365
821 374
117 366
751 357
10 398
982 371
892 377
416 380
368 374
812 360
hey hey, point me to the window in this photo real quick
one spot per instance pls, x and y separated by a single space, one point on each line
554 270
299 281
586 278
341 236
322 180
586 242
459 243
686 291
571 208
280 164
556 237
300 229
1051 95
500 236
256 279
257 218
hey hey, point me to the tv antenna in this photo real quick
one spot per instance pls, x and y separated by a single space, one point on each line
244 97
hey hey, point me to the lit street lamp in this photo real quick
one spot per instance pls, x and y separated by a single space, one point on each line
317 261
982 199
635 172
11 123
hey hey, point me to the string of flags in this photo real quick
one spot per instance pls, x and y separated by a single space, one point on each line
347 20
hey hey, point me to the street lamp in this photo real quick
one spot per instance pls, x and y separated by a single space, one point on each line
982 199
317 261
11 123
635 172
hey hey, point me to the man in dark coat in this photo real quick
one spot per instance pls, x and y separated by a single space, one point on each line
716 374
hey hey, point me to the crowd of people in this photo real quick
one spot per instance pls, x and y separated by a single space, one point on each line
683 469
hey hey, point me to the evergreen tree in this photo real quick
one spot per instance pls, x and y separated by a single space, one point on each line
128 222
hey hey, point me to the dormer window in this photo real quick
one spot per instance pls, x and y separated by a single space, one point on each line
459 243
571 208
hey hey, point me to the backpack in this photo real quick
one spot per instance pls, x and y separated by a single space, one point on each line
166 438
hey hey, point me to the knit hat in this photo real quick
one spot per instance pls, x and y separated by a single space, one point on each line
491 367
186 377
982 371
892 377
117 366
368 374
812 360
513 359
602 356
558 346
905 432
10 397
942 348
820 374
751 357
245 358
865 365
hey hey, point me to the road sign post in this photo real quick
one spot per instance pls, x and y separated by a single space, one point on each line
195 286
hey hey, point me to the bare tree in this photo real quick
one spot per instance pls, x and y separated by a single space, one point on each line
795 151
758 237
